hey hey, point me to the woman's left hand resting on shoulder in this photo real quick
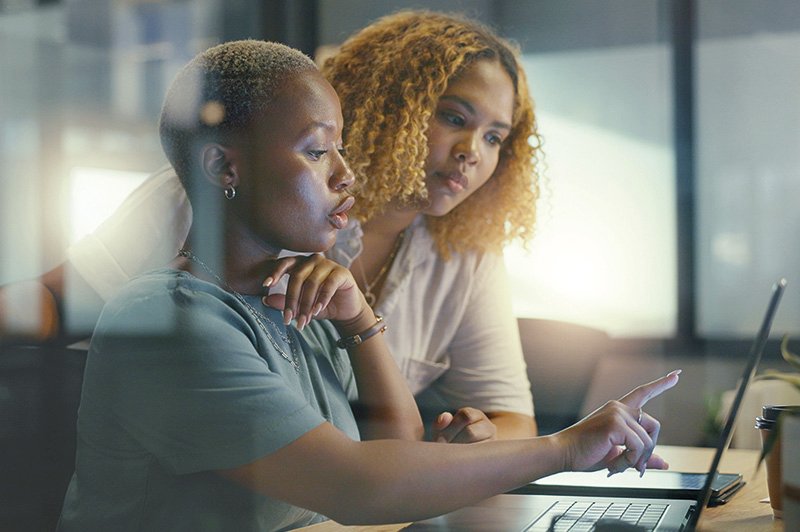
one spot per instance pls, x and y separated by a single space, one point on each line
391 481
319 288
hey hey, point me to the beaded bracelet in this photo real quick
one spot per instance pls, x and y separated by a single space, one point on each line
357 339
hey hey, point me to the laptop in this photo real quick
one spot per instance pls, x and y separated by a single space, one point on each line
655 484
515 512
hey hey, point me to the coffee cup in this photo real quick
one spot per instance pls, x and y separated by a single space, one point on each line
767 423
790 471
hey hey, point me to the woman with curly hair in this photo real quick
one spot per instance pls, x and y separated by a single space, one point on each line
441 134
438 130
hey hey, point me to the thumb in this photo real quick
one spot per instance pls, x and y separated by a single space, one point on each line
443 420
276 301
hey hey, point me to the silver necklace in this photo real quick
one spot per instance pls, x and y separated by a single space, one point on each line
260 318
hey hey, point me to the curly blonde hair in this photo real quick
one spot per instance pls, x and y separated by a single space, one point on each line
389 77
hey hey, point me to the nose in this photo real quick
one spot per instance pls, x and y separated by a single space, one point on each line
466 149
342 177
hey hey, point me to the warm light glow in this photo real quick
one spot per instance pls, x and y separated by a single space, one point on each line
94 194
604 253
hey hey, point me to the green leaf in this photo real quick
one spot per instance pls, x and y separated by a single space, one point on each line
792 358
788 356
792 378
771 374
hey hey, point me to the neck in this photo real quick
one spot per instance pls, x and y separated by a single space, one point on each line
389 224
242 261
381 242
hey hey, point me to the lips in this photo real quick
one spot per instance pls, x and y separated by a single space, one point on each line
338 217
455 181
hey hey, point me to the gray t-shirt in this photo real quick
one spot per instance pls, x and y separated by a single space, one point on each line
181 380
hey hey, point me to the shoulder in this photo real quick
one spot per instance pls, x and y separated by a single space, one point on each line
163 178
159 284
161 300
161 187
473 262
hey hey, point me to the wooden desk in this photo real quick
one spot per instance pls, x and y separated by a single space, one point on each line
744 512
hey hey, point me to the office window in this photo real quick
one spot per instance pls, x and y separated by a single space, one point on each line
20 202
748 164
95 193
605 251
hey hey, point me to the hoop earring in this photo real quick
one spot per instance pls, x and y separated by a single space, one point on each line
230 192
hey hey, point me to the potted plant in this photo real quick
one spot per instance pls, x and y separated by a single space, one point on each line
792 378
769 424
793 359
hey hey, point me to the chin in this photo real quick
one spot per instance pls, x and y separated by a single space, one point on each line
325 244
439 208
310 246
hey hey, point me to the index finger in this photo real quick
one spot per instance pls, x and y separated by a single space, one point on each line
279 267
639 396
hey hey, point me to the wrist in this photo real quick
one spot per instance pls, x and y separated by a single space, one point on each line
561 456
358 323
349 342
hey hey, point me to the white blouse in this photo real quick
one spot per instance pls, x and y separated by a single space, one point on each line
450 326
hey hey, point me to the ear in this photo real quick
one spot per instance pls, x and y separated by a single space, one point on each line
219 166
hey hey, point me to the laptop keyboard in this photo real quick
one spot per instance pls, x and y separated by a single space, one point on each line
582 516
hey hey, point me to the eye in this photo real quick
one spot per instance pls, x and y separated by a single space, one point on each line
494 139
452 118
342 152
316 155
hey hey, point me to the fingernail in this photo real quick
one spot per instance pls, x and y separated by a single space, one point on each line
317 309
287 316
675 372
301 322
264 301
267 282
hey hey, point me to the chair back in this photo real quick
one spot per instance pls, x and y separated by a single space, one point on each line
561 359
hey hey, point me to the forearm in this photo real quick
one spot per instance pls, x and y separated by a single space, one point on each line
387 481
77 304
413 483
511 425
392 481
386 407
28 314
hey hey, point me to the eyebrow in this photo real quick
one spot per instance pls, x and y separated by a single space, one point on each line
319 125
471 109
315 126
